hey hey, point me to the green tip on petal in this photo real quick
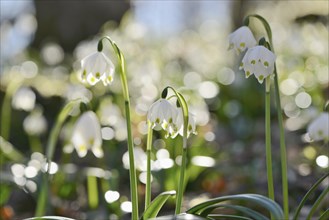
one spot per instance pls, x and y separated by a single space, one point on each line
266 64
84 74
97 75
253 62
242 44
261 77
247 74
157 120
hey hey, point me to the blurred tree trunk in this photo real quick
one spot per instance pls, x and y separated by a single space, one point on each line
69 22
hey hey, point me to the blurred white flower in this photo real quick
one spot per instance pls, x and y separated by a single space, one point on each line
24 99
87 135
241 39
95 67
259 61
140 159
191 127
35 123
163 113
318 129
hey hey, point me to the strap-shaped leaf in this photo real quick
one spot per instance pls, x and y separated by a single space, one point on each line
247 211
222 216
308 194
260 200
155 206
50 218
324 215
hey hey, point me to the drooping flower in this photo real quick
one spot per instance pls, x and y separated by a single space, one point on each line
241 39
35 123
318 129
162 113
258 61
96 67
87 135
191 126
24 99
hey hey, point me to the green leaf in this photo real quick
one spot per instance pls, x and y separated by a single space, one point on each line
182 216
50 218
313 188
222 216
247 211
155 206
260 200
324 215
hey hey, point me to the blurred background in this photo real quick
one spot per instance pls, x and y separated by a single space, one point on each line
178 43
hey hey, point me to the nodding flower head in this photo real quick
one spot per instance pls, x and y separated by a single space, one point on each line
191 126
87 135
163 113
258 61
97 67
241 39
318 129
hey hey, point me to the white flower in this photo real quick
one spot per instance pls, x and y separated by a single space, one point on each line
259 61
163 113
319 127
96 67
191 126
35 123
24 99
87 135
241 39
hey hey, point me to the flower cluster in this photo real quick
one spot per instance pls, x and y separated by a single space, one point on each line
258 60
170 118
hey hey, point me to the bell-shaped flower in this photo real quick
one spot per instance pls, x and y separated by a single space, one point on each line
96 67
318 129
258 61
87 135
35 124
178 128
241 39
24 99
163 113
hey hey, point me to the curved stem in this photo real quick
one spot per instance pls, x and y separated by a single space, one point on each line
132 170
181 185
283 149
268 140
42 198
148 168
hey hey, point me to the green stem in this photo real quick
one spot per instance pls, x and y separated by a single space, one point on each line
181 187
6 109
92 191
148 191
132 170
268 140
42 198
35 143
283 150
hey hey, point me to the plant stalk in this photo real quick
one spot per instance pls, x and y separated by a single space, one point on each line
132 170
148 191
268 140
